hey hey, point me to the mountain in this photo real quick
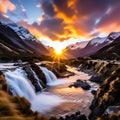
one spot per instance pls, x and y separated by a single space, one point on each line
111 51
78 45
92 47
17 42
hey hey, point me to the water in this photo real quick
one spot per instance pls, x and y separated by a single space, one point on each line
50 76
58 99
42 102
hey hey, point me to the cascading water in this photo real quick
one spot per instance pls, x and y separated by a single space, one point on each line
21 86
38 80
50 77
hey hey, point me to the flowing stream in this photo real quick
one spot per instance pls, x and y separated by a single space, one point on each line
57 99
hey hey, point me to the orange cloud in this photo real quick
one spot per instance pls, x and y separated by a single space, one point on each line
33 30
64 19
6 5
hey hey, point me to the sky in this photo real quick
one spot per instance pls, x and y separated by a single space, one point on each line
67 21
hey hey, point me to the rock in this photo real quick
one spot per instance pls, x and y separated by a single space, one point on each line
82 117
97 79
82 84
77 113
61 118
1 73
93 92
105 105
29 68
76 116
112 109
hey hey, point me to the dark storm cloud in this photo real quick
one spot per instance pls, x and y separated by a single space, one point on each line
64 19
51 27
90 7
112 15
63 6
47 7
79 15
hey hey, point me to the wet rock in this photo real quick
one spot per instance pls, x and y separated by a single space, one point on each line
106 102
93 92
82 117
76 116
82 84
41 77
38 72
77 113
112 109
97 79
59 69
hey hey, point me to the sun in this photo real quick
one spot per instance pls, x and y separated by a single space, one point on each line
58 47
58 51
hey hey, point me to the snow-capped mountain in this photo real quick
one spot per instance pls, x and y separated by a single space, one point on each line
22 32
92 46
78 45
97 41
112 50
20 41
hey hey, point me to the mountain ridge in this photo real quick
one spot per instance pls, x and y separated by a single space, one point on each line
23 47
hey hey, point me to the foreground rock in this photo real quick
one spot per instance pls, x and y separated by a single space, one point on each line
59 69
36 76
107 96
76 116
82 84
15 107
106 104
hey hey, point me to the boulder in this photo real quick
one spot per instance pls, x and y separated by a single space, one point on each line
81 83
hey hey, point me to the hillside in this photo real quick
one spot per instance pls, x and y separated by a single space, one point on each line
18 43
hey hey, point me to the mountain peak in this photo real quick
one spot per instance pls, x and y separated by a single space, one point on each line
22 32
113 35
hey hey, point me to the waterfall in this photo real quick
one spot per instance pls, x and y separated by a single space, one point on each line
38 80
50 76
20 85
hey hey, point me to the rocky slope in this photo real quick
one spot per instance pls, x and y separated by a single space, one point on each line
17 42
94 46
111 51
106 104
15 107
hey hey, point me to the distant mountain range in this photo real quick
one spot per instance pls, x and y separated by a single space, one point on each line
93 47
17 42
111 51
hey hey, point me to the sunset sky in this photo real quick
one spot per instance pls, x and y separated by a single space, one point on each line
63 20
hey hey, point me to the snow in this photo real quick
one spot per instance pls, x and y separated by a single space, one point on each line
79 45
97 41
114 35
22 32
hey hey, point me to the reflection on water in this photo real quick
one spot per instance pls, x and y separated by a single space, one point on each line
76 99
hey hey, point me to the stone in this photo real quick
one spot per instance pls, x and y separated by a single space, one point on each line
81 83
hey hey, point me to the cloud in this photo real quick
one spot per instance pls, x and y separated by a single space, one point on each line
63 19
63 6
52 27
5 18
23 12
6 5
47 7
111 19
